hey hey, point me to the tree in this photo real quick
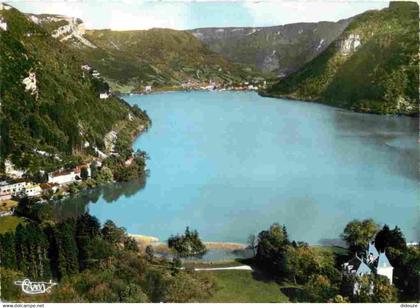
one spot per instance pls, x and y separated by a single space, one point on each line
9 290
67 252
149 253
374 289
271 250
253 243
390 238
185 288
112 233
7 251
301 263
93 169
339 299
130 244
40 177
176 264
87 228
156 286
319 289
188 244
358 234
104 175
407 274
84 173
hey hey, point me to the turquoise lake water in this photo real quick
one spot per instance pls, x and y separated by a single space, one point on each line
231 163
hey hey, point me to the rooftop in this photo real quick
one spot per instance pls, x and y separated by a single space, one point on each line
383 261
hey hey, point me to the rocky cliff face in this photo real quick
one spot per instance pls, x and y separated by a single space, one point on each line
63 28
280 49
348 45
371 67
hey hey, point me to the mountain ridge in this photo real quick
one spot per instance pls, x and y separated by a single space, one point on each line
132 59
280 49
371 67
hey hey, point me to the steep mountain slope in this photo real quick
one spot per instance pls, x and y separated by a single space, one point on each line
130 60
280 49
159 57
371 67
51 113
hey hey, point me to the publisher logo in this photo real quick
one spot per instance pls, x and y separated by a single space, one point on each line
35 287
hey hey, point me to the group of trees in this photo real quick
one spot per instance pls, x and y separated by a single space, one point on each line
123 172
297 262
92 263
318 271
55 250
187 244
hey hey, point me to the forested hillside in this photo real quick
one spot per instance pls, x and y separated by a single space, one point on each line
90 263
159 57
131 60
371 67
51 113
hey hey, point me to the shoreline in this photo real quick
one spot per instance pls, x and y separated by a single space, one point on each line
161 91
293 98
161 246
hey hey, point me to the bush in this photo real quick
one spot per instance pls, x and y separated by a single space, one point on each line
188 244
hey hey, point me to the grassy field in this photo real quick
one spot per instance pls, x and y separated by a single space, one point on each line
9 223
236 286
7 205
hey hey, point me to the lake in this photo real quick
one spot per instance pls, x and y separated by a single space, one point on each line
231 163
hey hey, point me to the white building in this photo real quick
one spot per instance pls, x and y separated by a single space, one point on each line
96 74
63 177
86 67
148 89
384 268
373 263
13 189
30 83
103 95
5 196
3 24
32 190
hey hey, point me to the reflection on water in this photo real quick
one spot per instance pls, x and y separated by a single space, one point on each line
398 133
77 205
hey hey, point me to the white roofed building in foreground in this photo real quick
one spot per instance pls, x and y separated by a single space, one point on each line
373 263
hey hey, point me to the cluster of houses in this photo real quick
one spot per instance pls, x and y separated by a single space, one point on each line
20 187
212 85
95 74
372 263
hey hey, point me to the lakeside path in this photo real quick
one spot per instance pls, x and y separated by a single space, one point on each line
241 267
144 240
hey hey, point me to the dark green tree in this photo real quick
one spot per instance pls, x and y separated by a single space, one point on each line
390 238
271 250
358 234
87 228
7 250
156 286
84 173
67 249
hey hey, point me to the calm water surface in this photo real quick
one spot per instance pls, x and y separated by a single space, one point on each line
231 163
